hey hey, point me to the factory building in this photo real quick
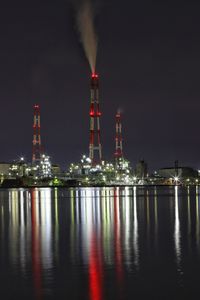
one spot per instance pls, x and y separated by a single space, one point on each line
18 168
141 169
4 168
56 170
182 172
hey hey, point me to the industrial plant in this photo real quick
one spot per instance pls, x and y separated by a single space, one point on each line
91 170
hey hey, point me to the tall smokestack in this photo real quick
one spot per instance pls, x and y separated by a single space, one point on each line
37 149
118 139
95 151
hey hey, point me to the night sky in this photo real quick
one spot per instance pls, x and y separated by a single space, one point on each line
149 66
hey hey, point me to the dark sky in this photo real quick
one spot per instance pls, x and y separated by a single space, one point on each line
149 66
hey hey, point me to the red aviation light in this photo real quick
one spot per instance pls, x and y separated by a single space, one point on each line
93 114
94 81
94 75
92 110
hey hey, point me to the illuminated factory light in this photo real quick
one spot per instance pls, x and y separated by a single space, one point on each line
176 179
45 167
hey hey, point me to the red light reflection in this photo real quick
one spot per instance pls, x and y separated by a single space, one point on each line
95 271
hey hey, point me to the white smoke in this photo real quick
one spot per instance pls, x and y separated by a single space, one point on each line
85 24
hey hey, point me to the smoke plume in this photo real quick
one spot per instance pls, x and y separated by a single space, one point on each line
85 23
120 110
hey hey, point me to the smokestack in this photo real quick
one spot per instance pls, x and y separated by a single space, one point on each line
37 149
118 139
95 149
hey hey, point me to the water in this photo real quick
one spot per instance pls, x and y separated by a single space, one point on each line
100 243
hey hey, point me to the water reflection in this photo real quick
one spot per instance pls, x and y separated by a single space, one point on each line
197 217
188 210
30 234
56 225
177 234
36 243
156 210
148 219
117 235
110 232
89 235
107 213
136 234
156 218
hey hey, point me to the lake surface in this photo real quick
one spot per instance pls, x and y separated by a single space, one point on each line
100 243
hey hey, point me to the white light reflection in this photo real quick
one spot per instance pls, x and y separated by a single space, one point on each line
56 223
126 216
189 211
36 243
106 226
148 219
105 219
86 197
2 222
148 213
88 217
109 225
46 227
42 234
156 217
74 224
30 233
14 225
18 230
197 217
177 235
135 229
77 205
117 234
22 230
156 210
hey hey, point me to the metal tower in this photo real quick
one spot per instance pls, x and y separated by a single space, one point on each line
95 151
118 138
37 149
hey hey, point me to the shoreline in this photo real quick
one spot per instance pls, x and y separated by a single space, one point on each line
98 186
